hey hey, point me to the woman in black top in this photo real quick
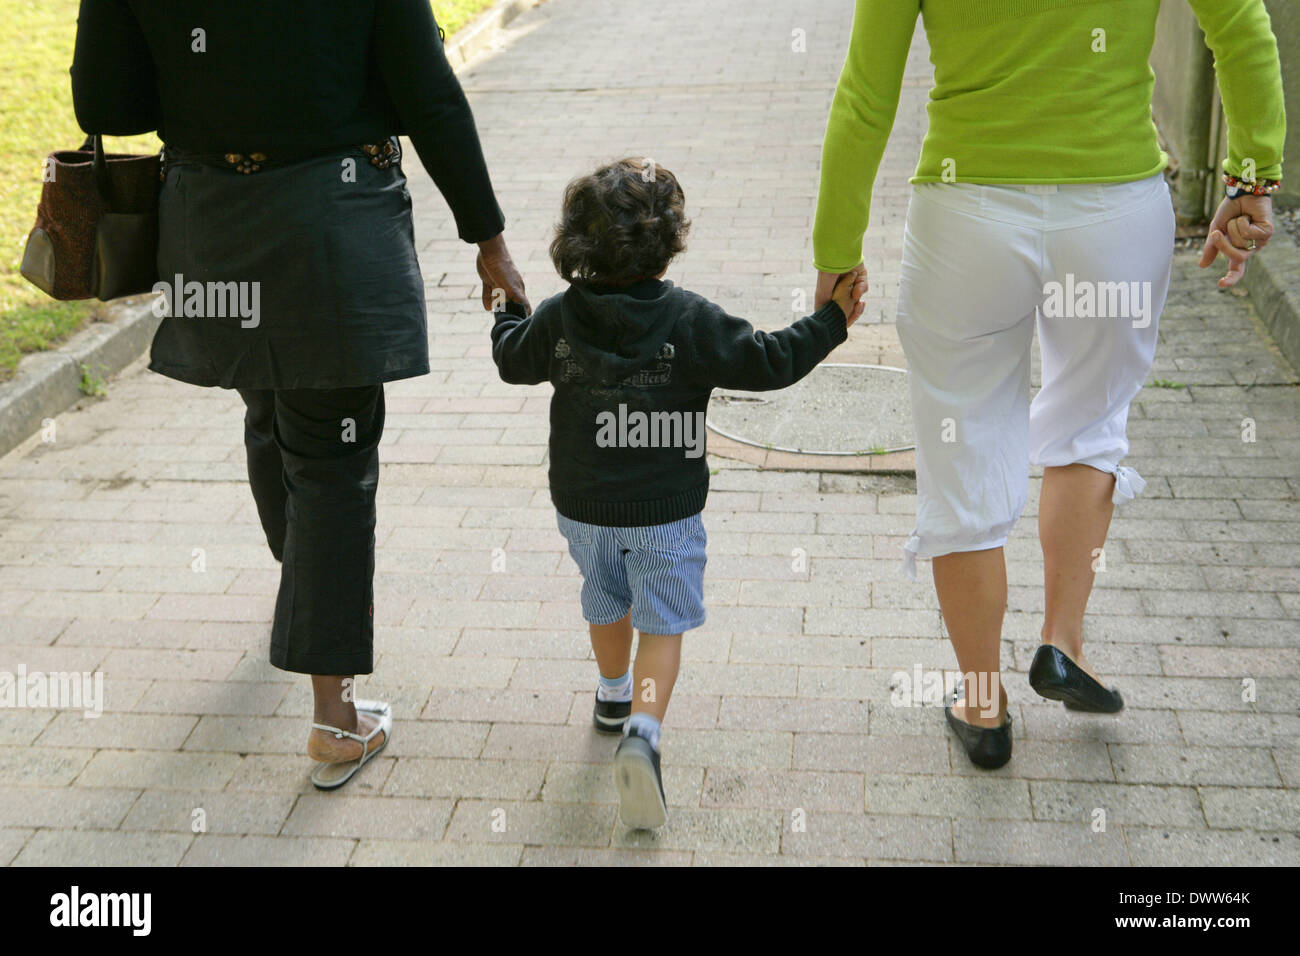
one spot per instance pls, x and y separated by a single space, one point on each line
287 249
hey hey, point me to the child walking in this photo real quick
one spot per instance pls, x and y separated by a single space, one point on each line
633 359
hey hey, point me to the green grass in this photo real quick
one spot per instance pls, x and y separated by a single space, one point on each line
454 14
91 383
36 118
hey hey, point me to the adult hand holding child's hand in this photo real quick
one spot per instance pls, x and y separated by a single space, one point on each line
845 290
498 272
1240 228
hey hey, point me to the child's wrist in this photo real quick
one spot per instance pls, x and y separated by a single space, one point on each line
516 309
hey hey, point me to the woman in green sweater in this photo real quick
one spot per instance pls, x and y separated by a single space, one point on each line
1039 203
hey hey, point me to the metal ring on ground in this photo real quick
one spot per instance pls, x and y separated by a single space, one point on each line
748 398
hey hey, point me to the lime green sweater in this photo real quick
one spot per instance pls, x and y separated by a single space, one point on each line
1031 91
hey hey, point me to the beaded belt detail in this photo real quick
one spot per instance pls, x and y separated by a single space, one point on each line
245 164
381 156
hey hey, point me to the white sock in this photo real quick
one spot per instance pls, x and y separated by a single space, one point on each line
645 725
617 688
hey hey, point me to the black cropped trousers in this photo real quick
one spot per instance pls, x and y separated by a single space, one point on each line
313 465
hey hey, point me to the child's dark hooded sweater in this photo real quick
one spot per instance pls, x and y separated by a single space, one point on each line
621 358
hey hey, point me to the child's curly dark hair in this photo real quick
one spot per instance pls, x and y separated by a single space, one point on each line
626 221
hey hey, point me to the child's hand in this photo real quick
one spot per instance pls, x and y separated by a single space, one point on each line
849 292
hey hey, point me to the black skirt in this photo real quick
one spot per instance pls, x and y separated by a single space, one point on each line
298 276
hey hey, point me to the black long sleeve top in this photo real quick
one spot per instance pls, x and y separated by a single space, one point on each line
220 76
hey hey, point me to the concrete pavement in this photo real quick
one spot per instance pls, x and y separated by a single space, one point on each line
782 745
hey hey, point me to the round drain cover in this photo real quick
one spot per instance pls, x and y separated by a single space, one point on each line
837 409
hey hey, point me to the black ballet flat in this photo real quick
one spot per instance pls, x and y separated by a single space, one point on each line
987 747
1054 676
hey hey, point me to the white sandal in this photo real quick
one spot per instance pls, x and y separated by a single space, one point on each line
330 776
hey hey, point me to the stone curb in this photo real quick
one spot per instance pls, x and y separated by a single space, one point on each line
1273 281
48 383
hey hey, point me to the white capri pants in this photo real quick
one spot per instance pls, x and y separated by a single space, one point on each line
1089 265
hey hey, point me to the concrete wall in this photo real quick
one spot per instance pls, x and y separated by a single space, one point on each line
1183 103
1286 24
1187 110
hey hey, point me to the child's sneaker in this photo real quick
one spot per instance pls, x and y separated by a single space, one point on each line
610 715
641 800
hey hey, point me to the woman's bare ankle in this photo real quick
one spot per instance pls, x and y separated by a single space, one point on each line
333 702
982 713
1068 640
334 707
326 747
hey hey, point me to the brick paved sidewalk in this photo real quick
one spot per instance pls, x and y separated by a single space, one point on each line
782 715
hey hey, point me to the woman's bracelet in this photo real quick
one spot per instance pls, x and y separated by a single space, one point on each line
1260 187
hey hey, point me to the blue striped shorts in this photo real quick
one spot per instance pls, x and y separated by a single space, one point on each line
656 570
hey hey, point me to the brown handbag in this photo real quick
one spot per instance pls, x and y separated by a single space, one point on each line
96 232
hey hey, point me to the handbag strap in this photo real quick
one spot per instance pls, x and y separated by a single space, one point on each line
100 166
